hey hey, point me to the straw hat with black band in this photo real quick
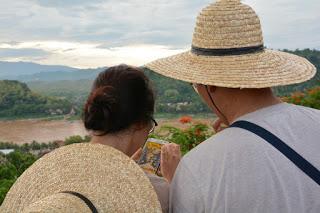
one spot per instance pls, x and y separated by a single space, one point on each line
82 178
228 51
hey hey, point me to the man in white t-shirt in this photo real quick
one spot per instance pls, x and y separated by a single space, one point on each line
268 159
238 171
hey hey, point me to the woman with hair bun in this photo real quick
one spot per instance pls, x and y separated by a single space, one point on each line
119 113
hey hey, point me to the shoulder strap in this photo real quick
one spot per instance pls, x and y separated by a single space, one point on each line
84 199
277 143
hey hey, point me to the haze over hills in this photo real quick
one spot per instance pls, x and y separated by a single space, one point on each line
11 69
57 76
27 72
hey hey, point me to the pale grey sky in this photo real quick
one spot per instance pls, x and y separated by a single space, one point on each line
93 33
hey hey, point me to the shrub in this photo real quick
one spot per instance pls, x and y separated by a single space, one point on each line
186 138
77 139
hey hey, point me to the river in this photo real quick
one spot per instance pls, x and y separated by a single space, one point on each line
26 131
44 131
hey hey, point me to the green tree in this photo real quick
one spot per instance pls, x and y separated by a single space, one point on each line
21 160
5 186
8 171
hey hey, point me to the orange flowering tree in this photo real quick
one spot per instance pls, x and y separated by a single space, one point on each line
185 119
309 98
187 138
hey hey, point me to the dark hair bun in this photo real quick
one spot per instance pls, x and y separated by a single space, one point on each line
120 97
100 107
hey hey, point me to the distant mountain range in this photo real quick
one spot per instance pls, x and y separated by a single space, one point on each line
57 76
27 72
28 68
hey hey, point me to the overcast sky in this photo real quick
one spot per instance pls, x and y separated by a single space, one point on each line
95 33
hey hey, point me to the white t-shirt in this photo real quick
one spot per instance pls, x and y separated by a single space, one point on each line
237 171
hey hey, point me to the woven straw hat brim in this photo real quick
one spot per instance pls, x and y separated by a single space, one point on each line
264 69
107 177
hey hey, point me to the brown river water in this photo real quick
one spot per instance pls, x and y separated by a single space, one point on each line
26 131
44 131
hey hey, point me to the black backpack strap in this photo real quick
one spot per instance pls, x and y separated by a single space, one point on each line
277 143
84 199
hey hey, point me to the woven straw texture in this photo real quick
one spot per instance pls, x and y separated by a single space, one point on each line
59 203
108 178
230 24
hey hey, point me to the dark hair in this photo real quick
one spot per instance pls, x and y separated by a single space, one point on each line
120 96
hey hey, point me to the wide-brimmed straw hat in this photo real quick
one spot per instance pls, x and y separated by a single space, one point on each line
228 51
82 178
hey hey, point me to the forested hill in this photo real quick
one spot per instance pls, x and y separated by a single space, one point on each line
314 57
17 100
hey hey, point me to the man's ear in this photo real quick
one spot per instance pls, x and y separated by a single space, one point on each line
212 89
